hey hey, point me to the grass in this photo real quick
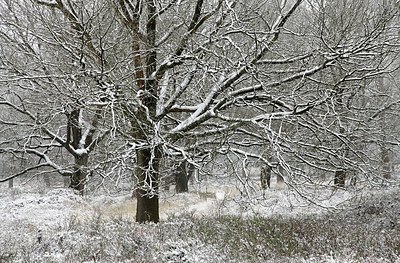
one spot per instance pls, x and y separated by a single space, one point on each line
258 239
209 239
370 232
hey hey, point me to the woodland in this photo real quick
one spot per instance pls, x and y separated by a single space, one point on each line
137 96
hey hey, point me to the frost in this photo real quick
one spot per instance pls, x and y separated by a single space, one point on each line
51 227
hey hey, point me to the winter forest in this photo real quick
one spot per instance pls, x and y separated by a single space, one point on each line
199 131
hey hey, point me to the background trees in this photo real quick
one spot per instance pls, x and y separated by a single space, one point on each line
56 95
289 84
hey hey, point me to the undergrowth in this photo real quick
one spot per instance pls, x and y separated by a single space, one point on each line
208 239
260 239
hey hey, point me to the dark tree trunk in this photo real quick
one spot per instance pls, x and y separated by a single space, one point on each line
79 177
147 209
191 170
265 177
74 136
340 178
181 178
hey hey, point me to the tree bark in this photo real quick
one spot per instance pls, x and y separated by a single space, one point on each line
340 178
79 177
147 158
147 170
265 177
181 178
386 171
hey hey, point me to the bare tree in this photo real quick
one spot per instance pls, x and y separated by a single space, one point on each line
56 94
223 56
204 80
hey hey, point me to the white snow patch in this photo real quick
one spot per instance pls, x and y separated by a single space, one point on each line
81 151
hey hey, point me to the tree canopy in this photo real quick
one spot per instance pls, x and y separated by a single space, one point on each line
117 86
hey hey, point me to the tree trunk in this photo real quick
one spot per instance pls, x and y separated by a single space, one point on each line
147 195
384 121
340 178
47 182
181 178
11 183
79 177
67 181
74 136
386 171
265 177
191 171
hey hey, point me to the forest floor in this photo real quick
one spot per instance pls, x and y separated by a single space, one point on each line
213 224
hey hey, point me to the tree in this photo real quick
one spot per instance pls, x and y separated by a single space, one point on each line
55 93
222 56
204 80
265 177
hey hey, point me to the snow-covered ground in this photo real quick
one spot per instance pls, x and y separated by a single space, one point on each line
53 208
30 215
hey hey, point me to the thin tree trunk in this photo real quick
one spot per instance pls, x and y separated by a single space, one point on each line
384 120
181 178
386 171
147 209
265 177
11 183
340 178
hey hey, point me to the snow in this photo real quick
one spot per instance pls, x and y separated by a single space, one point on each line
81 151
56 207
38 211
51 209
50 215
